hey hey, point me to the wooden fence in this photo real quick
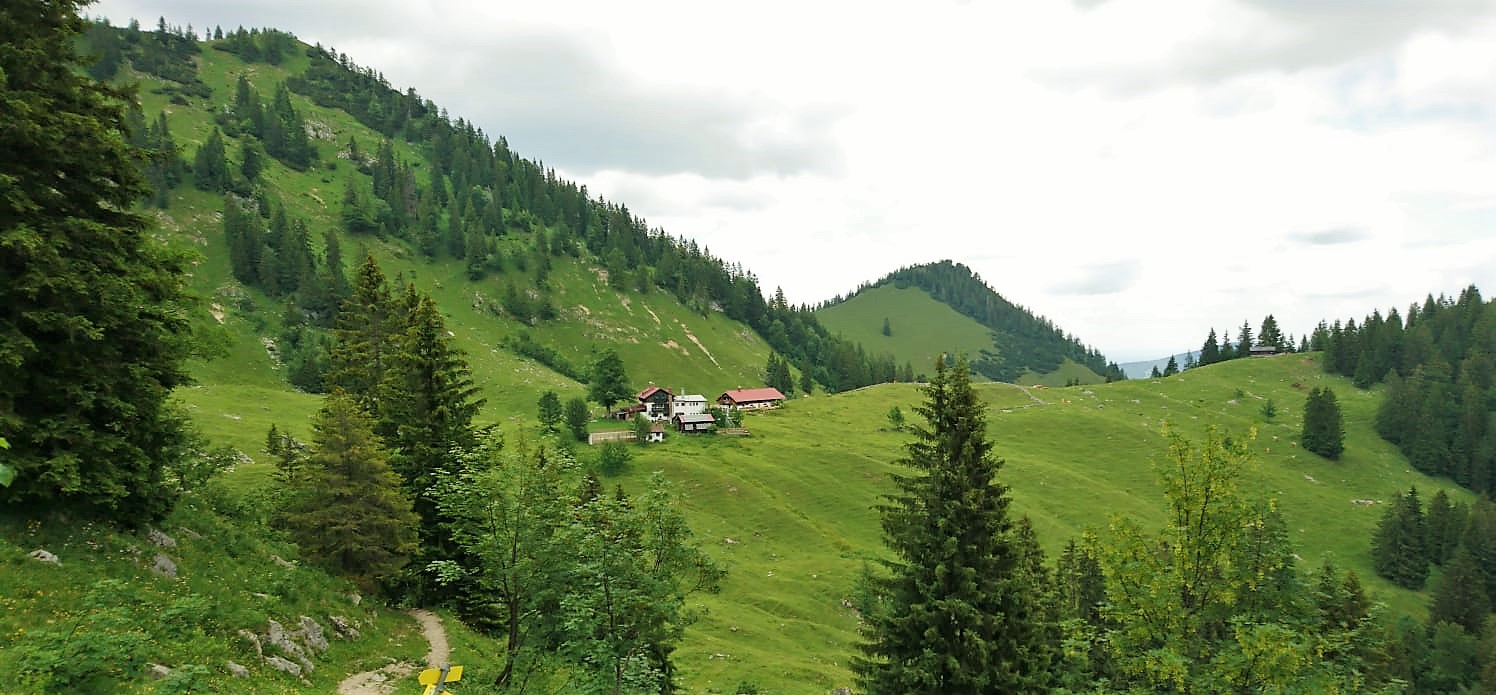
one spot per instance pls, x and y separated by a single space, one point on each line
618 436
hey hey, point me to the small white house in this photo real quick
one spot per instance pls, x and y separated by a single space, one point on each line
689 404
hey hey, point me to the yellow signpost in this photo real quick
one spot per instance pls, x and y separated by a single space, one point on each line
436 679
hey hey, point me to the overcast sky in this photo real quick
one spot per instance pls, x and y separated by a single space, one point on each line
1137 171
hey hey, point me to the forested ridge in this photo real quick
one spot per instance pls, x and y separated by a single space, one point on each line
1021 340
471 192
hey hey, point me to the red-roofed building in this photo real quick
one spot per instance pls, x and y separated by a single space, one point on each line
656 402
767 397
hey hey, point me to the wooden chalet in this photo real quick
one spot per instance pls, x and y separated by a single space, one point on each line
1262 350
656 402
749 399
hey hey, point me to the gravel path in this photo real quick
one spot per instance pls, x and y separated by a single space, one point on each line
384 681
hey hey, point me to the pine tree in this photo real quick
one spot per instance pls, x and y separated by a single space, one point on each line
1460 596
1399 548
367 325
1270 335
1210 352
887 329
1244 340
93 313
960 618
348 513
1445 524
1172 367
210 168
548 411
426 404
1324 430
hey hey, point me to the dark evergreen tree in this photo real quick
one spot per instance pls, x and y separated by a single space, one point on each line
1244 340
1270 335
1399 548
1324 429
1155 374
549 411
961 617
1210 352
1172 367
367 325
427 402
347 512
887 329
251 159
93 327
1445 524
210 168
1460 596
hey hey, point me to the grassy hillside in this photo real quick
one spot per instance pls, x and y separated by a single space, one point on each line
920 327
789 510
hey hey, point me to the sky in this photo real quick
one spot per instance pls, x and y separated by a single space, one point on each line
1136 171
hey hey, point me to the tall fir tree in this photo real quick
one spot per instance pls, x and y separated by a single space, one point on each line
348 512
1399 547
1210 352
1460 596
93 313
608 383
962 616
1324 428
366 328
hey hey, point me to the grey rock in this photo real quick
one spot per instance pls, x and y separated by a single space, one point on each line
160 539
312 635
194 535
280 664
276 635
842 691
343 628
282 562
44 556
355 599
237 670
156 671
254 640
165 567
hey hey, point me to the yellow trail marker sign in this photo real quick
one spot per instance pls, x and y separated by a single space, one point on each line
434 677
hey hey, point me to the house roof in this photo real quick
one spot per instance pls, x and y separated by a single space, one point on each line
695 419
753 395
692 398
646 393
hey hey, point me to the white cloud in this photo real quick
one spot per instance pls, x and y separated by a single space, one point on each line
1137 171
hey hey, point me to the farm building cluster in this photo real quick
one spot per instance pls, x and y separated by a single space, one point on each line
691 413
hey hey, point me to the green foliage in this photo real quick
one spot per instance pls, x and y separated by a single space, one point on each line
93 321
1324 429
962 615
548 411
1399 547
613 458
210 168
523 344
91 654
641 426
347 512
577 417
1460 597
896 418
1269 410
608 383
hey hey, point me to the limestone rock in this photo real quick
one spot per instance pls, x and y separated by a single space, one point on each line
165 567
343 628
282 562
161 540
312 635
237 670
157 671
255 641
277 636
44 556
280 664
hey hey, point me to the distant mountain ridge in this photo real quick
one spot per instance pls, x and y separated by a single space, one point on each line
1021 340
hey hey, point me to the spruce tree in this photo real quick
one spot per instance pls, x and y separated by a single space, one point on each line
348 513
961 616
548 411
1172 367
1399 550
577 417
1210 352
1324 430
93 312
1460 596
367 325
